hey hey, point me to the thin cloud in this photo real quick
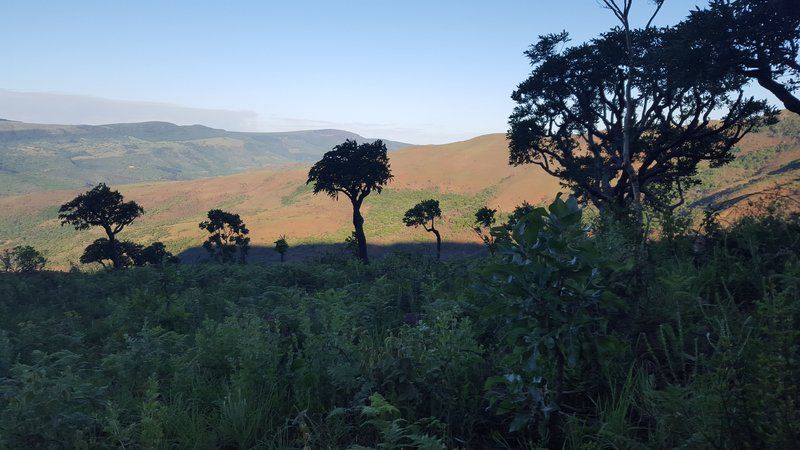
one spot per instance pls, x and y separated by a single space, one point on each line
57 108
70 109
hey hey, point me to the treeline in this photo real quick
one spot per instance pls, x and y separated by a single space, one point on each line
352 169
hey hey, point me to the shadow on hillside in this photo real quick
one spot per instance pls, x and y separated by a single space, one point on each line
301 252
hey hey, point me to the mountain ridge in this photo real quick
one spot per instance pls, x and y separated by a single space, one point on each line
40 157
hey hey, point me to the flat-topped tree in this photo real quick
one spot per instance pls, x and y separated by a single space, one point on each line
227 237
354 170
424 215
104 208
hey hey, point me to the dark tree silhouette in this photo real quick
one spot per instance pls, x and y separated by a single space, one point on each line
101 250
570 116
484 220
759 39
101 207
281 246
128 254
355 171
227 237
155 254
424 215
22 259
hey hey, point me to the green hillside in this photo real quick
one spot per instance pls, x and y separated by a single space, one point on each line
36 157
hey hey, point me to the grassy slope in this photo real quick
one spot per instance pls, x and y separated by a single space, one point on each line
764 160
462 175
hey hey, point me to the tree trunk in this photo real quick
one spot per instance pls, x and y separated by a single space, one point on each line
633 178
282 257
113 250
361 238
438 243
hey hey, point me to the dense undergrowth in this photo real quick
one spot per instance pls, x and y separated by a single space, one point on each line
561 340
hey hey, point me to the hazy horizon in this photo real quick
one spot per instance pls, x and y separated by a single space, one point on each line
413 72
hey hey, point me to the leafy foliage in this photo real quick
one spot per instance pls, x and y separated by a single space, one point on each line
407 352
227 241
22 259
569 118
755 38
424 214
518 213
549 285
484 219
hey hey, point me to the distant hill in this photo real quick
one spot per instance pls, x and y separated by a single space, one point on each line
37 157
462 175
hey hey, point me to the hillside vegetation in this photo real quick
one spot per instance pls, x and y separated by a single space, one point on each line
463 176
37 157
620 270
695 350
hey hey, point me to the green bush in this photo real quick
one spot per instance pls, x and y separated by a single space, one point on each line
557 340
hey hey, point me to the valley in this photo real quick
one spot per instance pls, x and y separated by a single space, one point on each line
40 157
463 176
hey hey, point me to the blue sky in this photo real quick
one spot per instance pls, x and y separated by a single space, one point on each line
419 71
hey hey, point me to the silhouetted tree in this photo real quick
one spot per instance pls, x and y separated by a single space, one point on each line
570 117
519 212
355 171
621 10
281 246
755 38
155 254
423 214
227 237
101 207
22 259
101 250
484 219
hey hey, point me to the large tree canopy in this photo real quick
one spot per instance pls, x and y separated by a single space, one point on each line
101 207
355 170
569 116
756 38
